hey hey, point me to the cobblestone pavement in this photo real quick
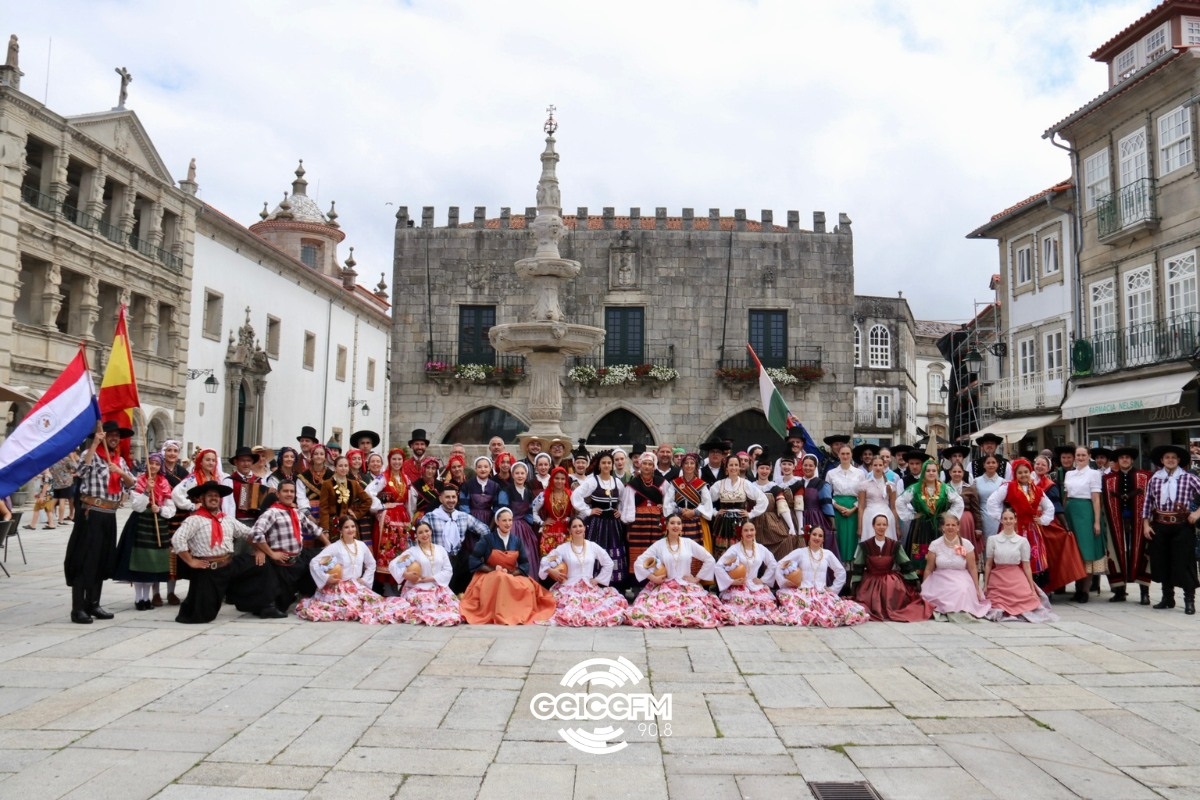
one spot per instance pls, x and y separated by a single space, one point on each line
1104 704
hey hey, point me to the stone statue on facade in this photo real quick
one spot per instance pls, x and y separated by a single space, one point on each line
14 52
126 79
191 173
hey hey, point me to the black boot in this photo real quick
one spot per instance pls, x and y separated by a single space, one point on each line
93 597
1082 587
78 604
1189 602
1118 595
1145 595
1168 597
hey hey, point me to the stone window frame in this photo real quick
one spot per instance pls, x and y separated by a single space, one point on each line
273 335
1174 147
214 310
1102 306
1175 286
1027 360
339 369
1053 360
309 354
371 374
315 247
858 360
1051 253
1097 178
879 347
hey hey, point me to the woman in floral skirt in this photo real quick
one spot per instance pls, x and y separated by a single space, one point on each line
805 595
583 596
673 597
343 573
747 597
423 574
597 499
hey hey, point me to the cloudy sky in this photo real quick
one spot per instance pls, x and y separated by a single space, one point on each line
918 119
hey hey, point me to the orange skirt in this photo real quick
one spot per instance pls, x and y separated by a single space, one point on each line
498 598
1064 561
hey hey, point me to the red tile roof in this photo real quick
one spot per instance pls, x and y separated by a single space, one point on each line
1061 186
1108 95
1143 25
596 223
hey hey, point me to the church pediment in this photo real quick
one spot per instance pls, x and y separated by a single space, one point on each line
123 132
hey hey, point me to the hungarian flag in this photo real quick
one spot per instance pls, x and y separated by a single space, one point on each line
118 391
776 410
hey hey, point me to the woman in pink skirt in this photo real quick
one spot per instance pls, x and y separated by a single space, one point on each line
1008 578
423 574
747 597
951 582
673 597
805 595
343 573
582 594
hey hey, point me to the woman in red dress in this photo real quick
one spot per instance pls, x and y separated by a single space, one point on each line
553 507
392 520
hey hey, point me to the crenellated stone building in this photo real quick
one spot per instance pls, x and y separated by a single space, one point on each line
90 218
679 297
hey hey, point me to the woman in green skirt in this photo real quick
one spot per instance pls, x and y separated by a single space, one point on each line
144 549
845 480
1082 488
922 505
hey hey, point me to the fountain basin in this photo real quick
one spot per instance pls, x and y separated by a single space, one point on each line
545 337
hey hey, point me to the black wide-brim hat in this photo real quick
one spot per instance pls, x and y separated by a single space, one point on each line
372 435
857 452
418 435
244 451
1102 451
113 427
989 437
1064 449
916 454
714 444
200 489
1185 458
956 450
308 432
837 438
1132 452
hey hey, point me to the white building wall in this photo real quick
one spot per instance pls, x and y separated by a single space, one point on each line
295 395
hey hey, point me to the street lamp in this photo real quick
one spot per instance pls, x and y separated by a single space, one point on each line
360 404
210 384
944 391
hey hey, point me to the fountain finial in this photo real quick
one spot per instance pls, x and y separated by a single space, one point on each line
551 123
548 227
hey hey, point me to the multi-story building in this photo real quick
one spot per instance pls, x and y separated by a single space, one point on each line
679 298
885 371
932 380
1035 304
282 335
1132 151
90 219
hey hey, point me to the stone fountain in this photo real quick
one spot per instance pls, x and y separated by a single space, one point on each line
545 337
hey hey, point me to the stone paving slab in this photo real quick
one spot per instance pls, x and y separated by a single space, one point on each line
1104 703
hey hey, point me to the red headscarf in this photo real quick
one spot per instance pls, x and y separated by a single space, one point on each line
161 488
1024 505
548 492
203 477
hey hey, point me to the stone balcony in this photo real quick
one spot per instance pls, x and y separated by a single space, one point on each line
1023 393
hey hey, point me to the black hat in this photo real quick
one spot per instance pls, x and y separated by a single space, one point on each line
956 450
898 450
200 489
1064 449
418 435
858 451
765 457
638 449
916 454
796 433
308 432
113 427
1097 452
714 444
989 437
837 438
244 451
1132 452
1157 453
581 451
372 435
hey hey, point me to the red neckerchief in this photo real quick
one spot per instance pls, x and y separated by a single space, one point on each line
114 480
295 519
217 537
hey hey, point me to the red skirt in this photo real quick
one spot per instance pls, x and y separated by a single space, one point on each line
1062 553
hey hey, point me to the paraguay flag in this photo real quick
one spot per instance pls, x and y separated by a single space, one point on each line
54 427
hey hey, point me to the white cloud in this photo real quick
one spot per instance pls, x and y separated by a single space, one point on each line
919 120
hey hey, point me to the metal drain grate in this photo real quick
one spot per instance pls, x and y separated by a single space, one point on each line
857 790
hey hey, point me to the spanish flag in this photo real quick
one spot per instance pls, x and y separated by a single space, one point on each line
118 391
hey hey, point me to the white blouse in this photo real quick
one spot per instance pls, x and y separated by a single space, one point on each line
946 557
587 487
678 562
1081 484
844 481
302 502
1008 548
815 570
179 495
995 506
725 490
440 569
736 554
580 567
357 564
140 502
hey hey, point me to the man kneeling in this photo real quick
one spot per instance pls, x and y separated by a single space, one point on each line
205 544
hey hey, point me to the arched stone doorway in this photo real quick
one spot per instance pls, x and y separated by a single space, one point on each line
246 370
481 425
620 427
747 428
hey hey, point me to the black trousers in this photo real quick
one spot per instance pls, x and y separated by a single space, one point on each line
1173 557
292 578
91 554
252 589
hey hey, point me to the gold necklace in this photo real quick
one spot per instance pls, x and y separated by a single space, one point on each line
579 554
428 553
749 553
351 547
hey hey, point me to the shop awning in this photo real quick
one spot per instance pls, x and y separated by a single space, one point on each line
1014 429
1113 398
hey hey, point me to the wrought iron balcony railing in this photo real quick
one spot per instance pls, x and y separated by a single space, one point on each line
1172 339
1132 206
655 356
